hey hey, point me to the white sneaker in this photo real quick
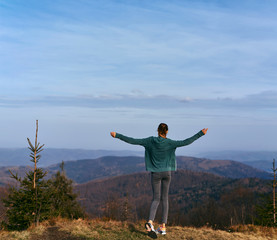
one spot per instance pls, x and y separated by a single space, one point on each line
161 230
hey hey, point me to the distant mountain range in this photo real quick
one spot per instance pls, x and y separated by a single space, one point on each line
241 156
50 156
82 171
257 159
20 156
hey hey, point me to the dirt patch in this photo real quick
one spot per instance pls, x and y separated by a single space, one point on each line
54 233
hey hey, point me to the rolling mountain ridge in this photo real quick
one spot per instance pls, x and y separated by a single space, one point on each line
82 171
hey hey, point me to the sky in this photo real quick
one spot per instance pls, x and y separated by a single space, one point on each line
85 68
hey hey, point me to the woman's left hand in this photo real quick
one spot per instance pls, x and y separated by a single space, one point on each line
205 130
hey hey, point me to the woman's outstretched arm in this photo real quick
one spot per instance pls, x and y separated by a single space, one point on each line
135 141
191 139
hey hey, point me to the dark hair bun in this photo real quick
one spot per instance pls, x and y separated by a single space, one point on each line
162 129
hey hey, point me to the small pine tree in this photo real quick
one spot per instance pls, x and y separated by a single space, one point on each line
25 204
29 203
63 199
264 211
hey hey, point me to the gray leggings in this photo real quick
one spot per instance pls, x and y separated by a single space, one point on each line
160 186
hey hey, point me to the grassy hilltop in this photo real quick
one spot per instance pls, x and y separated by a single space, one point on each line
109 230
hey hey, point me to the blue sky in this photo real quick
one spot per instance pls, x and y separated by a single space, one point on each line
85 68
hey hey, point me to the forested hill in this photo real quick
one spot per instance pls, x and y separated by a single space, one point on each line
226 168
195 198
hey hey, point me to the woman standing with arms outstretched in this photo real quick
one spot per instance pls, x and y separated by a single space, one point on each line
160 160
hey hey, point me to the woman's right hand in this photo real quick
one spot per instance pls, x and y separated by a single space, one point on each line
113 134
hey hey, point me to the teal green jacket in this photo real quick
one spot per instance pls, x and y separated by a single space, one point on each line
159 151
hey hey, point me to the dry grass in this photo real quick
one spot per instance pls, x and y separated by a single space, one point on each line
63 229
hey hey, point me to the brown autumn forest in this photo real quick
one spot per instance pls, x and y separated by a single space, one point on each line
196 198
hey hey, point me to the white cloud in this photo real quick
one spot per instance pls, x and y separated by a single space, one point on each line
139 100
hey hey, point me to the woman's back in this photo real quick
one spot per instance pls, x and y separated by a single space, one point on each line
159 151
